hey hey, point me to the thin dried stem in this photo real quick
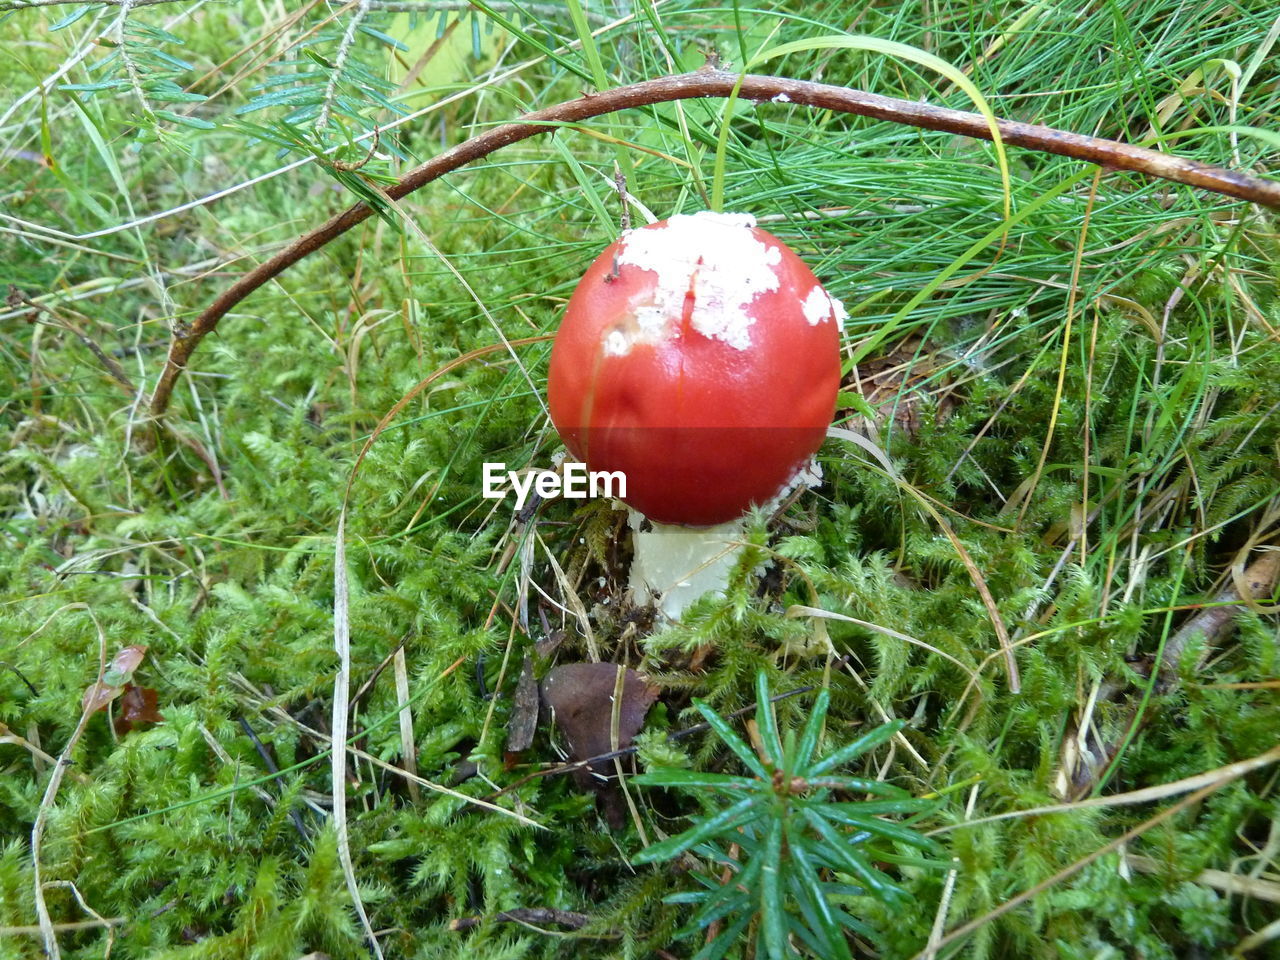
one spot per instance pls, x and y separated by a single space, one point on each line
1066 872
6 5
1087 757
339 61
48 930
716 83
1210 624
390 6
338 724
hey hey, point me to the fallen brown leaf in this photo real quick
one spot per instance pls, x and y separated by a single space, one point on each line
114 679
581 698
137 705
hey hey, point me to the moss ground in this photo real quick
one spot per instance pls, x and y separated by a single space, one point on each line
1090 412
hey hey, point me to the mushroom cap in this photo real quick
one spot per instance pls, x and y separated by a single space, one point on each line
699 356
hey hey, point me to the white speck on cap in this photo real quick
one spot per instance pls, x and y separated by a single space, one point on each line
717 257
841 313
816 306
616 345
781 98
819 306
807 476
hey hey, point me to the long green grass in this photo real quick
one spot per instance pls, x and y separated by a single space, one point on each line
1089 410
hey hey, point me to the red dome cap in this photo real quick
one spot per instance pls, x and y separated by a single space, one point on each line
700 357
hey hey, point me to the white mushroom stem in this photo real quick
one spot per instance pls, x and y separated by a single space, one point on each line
672 566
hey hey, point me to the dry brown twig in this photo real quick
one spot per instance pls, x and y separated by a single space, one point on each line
1013 903
1212 622
389 6
1195 788
48 930
702 84
564 918
16 298
1086 753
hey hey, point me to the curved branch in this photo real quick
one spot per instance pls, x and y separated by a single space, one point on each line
716 83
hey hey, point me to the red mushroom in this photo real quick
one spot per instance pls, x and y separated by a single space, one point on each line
699 356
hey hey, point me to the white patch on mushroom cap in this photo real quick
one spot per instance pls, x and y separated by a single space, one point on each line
841 313
714 255
616 344
652 322
819 306
649 324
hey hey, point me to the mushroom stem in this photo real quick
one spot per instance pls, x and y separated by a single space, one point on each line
672 566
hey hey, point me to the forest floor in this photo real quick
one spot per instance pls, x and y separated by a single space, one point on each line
1045 540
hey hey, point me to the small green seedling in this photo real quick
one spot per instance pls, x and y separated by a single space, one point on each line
790 852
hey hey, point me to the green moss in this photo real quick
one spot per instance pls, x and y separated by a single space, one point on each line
183 830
